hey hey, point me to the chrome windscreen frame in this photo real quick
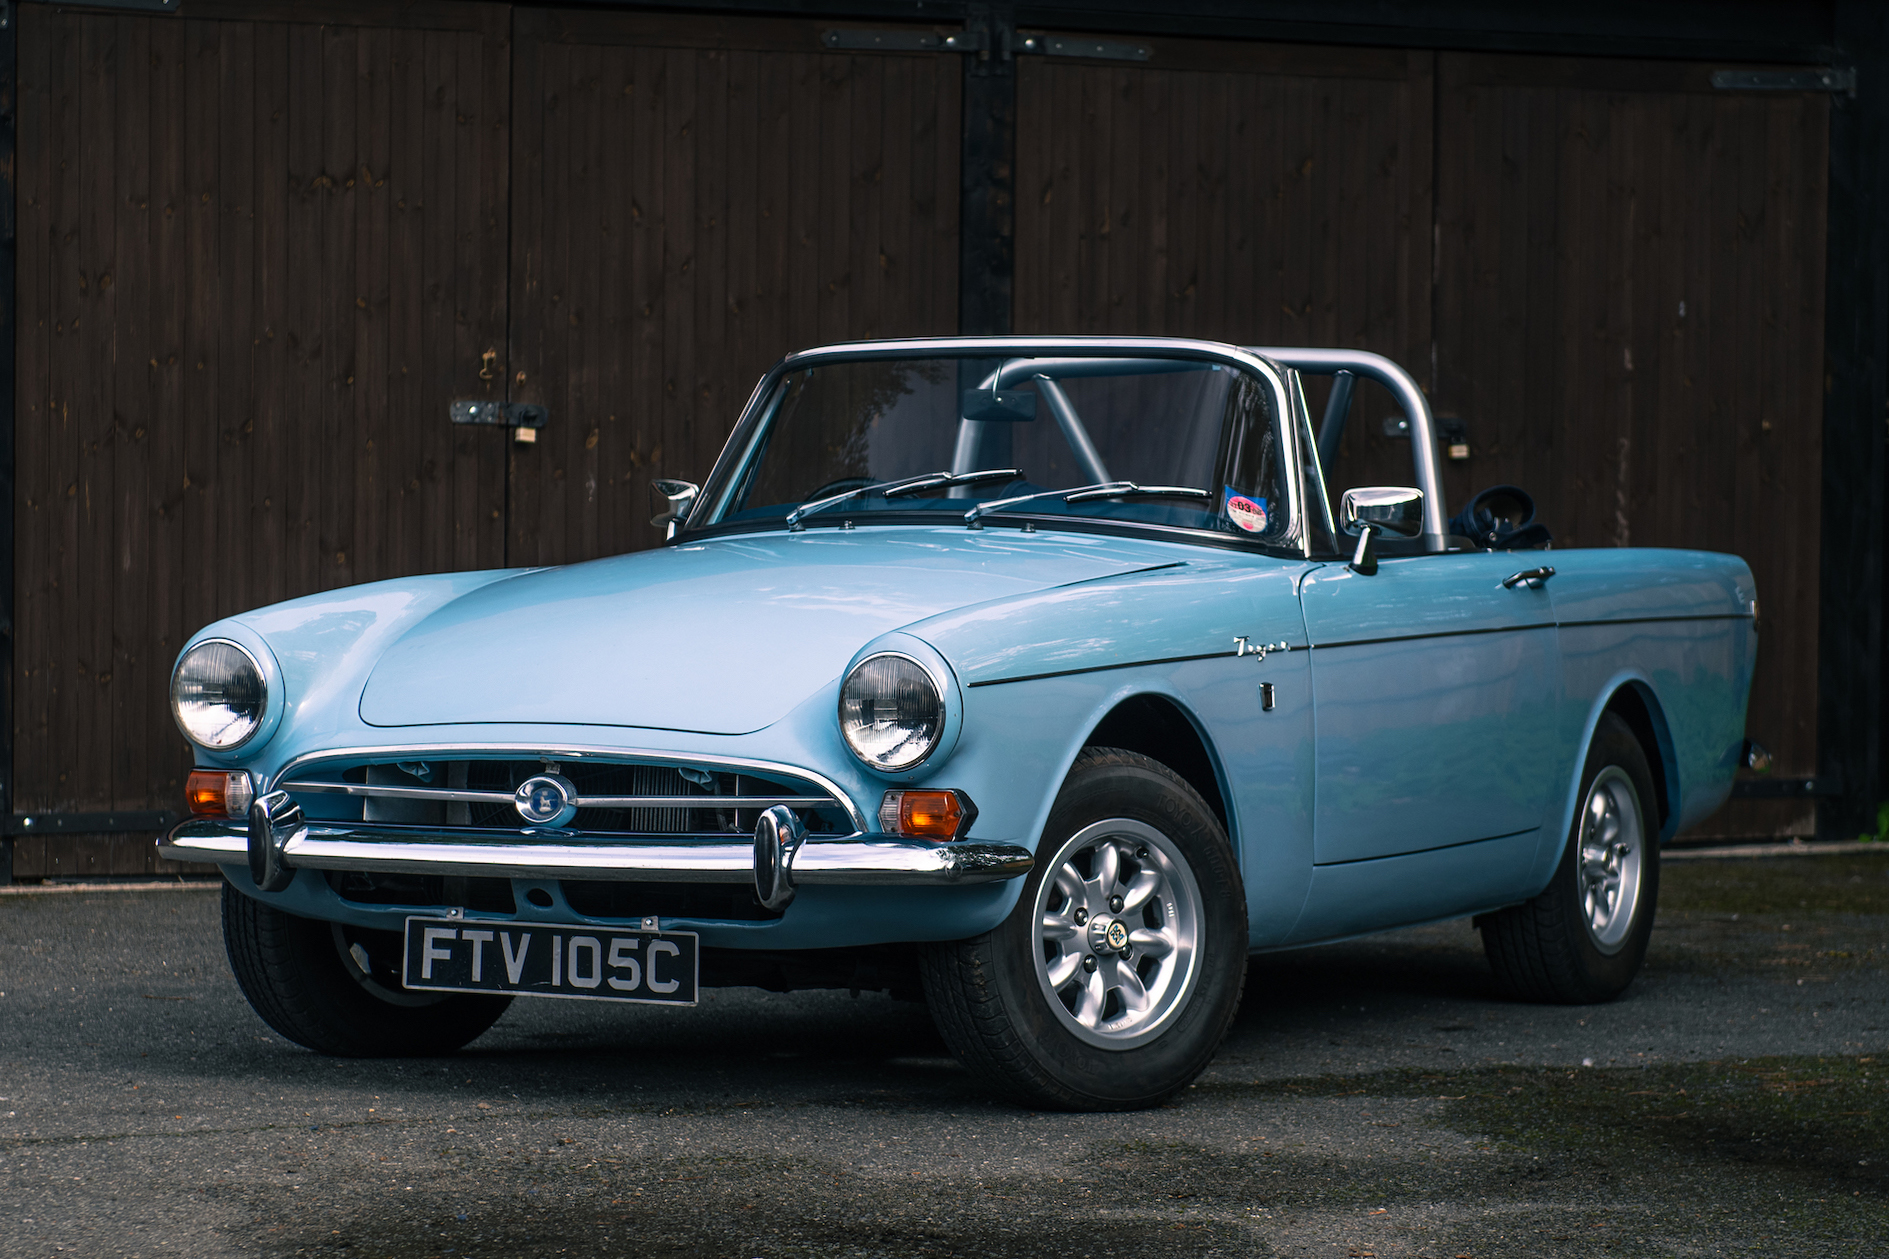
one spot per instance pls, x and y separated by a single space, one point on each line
741 444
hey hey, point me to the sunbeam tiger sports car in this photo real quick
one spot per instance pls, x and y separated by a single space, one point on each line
1032 674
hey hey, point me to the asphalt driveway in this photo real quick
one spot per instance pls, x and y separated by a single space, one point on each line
1376 1099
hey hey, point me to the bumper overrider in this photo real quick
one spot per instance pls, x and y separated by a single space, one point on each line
276 840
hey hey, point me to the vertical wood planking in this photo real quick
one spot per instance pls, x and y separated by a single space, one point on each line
1255 194
1581 204
82 738
40 318
701 202
215 413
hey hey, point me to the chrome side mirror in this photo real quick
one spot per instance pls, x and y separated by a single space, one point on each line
680 496
1392 509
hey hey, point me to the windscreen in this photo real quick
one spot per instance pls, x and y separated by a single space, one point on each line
1161 441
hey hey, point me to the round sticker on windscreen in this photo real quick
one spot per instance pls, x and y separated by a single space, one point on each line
1247 513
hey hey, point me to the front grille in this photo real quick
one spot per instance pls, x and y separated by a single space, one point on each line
614 798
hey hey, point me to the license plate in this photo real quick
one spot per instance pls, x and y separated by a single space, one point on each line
535 960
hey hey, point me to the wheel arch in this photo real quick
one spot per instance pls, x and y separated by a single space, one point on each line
1161 729
1631 697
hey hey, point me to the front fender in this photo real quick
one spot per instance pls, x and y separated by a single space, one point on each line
317 651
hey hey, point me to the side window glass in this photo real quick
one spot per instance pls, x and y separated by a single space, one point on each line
1249 473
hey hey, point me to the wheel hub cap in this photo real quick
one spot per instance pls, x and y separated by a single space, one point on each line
1107 935
1611 858
1119 926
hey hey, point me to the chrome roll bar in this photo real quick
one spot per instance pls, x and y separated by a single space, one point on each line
1315 362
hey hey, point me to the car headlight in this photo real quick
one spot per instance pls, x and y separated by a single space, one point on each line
218 695
891 713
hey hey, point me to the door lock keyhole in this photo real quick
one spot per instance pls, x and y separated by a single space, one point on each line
487 361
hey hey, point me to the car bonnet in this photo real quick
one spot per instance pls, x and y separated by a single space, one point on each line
719 637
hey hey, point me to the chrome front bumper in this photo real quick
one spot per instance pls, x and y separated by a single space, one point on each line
803 860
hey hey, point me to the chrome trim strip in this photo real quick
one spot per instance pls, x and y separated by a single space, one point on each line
397 793
376 791
860 860
574 752
704 802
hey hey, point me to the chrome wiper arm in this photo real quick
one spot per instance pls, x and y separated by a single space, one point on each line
937 479
1128 489
892 489
1085 493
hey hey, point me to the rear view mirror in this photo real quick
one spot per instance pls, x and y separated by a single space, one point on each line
679 496
1389 509
987 405
1393 509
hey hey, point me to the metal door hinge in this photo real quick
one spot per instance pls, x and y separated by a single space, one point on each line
1818 79
149 6
1083 46
1011 41
905 41
132 820
1786 788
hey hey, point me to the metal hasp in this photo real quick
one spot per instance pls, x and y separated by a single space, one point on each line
1312 362
507 414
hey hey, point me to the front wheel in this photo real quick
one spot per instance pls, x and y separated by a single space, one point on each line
336 989
1112 983
1584 938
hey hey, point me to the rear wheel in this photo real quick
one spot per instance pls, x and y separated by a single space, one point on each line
1584 938
1112 983
336 989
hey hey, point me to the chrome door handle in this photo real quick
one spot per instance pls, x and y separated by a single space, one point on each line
1530 577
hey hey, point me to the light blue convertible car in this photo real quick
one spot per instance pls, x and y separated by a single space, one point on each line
1034 675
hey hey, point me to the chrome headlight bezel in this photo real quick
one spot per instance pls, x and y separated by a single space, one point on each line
262 708
904 758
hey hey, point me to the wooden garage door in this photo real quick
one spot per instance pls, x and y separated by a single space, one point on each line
1630 319
1614 278
1252 193
693 199
258 258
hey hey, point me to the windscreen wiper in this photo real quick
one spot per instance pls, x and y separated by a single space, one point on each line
896 489
1083 494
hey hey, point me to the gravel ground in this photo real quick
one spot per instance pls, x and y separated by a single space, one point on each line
1375 1099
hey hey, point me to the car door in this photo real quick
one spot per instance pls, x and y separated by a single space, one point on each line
1436 689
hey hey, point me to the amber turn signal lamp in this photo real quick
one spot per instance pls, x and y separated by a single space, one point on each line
926 814
219 793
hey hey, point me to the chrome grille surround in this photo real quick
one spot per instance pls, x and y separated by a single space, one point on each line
621 792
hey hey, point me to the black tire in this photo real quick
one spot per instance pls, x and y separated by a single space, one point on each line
995 1010
298 975
1545 949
